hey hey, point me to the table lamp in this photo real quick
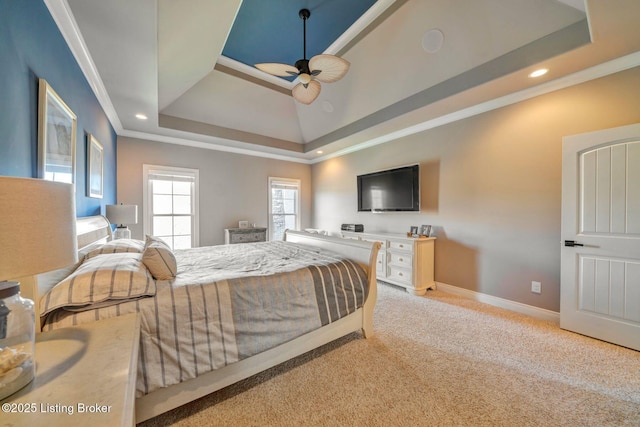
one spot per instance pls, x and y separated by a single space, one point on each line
37 234
122 215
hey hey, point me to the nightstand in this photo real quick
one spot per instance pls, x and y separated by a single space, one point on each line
85 376
244 235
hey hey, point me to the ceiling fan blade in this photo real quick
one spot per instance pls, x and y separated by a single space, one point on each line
277 69
306 94
331 67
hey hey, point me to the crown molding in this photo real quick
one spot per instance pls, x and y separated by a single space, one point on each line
595 72
63 17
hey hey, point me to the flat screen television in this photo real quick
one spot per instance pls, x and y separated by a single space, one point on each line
392 190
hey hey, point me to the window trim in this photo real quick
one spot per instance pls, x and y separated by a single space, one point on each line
146 184
288 181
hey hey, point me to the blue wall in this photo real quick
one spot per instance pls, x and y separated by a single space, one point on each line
32 47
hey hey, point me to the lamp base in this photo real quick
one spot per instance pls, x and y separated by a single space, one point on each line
17 339
122 232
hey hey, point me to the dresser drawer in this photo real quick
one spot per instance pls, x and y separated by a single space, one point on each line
399 274
401 259
247 237
244 235
400 245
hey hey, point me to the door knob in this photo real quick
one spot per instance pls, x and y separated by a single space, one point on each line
572 243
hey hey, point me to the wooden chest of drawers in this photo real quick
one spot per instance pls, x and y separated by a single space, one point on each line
244 235
403 261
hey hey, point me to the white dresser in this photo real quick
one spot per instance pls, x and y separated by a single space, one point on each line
403 261
244 235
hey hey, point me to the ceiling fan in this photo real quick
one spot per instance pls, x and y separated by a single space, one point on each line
321 68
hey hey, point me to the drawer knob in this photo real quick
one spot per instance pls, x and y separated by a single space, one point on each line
402 246
399 274
401 259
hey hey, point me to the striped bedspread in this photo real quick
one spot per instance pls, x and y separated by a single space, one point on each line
231 302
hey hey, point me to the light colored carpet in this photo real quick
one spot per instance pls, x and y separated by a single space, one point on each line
438 360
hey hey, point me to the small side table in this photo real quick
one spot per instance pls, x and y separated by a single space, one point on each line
85 376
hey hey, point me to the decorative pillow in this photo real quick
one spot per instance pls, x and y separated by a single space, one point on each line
117 246
159 259
99 281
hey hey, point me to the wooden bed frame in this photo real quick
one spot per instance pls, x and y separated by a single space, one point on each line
96 229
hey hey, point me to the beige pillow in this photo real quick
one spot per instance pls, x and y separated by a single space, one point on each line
99 281
159 259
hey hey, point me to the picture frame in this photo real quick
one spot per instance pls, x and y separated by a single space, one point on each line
425 230
95 167
57 126
413 230
243 224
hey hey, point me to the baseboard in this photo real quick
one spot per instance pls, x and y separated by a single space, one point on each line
518 307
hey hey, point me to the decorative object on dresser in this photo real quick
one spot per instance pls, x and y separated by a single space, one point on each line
37 234
425 230
402 260
121 215
244 235
243 224
352 227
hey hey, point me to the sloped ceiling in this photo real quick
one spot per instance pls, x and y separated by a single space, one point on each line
188 65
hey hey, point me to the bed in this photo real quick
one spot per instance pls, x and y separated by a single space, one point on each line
325 290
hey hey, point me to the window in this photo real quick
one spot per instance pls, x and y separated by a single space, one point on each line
284 206
171 205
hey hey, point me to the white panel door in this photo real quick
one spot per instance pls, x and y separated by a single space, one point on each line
600 283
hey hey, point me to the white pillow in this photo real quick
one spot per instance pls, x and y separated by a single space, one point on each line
99 281
117 246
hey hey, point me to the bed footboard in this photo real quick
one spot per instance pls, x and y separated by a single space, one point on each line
364 253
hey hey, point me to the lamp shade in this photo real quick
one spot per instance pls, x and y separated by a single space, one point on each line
37 226
122 214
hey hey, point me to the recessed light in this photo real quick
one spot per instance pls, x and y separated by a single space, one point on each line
319 152
141 116
538 73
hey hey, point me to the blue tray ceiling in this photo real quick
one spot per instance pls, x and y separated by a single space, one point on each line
271 31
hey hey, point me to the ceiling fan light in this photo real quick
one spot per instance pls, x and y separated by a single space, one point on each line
306 95
304 78
332 68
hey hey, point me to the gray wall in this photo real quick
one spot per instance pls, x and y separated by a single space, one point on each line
491 185
233 187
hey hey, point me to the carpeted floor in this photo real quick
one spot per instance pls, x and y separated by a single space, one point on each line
438 360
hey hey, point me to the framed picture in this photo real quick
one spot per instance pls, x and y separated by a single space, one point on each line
95 161
425 230
414 230
243 224
56 136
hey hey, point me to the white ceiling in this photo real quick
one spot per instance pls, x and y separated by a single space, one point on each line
159 58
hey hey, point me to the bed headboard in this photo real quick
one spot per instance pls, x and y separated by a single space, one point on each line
89 230
92 229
